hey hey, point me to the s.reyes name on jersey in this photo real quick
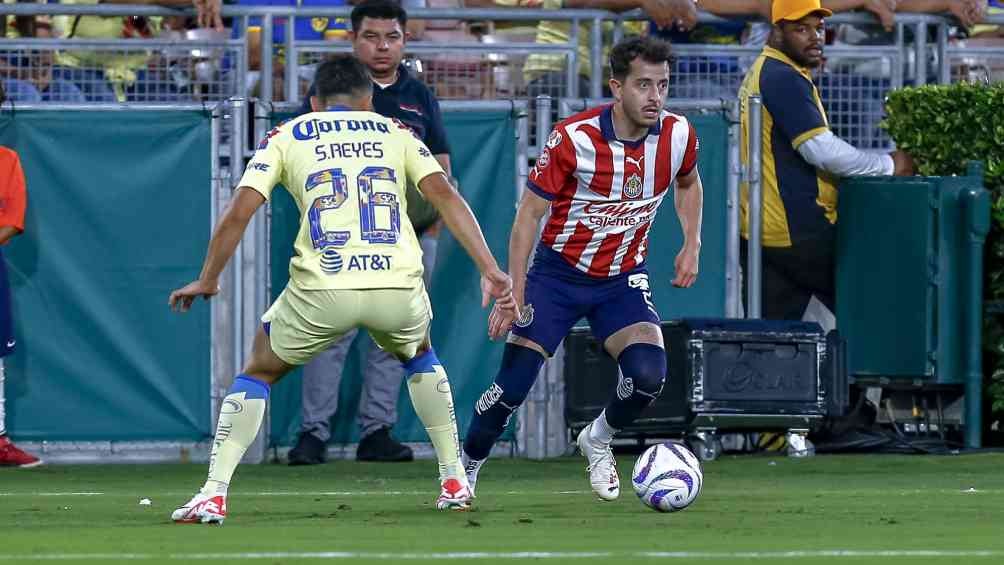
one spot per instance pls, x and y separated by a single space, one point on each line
347 172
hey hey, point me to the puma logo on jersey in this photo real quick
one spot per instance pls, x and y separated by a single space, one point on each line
635 162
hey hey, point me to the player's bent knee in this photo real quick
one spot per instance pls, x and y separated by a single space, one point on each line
264 364
645 365
639 332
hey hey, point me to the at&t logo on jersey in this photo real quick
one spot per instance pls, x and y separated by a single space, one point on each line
331 261
370 263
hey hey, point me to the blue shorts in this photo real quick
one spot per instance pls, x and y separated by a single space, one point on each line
6 318
557 296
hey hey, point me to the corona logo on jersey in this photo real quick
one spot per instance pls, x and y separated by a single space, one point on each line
312 129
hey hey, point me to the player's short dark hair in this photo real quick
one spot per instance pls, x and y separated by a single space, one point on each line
378 10
341 75
650 49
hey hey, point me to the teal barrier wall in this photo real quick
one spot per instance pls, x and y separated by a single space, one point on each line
118 216
483 159
707 297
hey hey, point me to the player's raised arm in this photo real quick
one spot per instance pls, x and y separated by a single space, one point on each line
464 226
226 236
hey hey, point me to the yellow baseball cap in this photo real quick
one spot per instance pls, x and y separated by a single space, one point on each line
794 10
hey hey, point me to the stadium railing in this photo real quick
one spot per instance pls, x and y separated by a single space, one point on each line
853 85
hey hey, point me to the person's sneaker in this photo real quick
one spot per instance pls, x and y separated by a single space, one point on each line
471 468
454 494
309 450
11 456
602 467
380 446
203 508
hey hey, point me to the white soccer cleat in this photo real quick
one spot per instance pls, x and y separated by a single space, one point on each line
203 508
602 467
471 468
454 495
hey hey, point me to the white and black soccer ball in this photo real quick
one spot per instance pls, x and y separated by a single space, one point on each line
667 477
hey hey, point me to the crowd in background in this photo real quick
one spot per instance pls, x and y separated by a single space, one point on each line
124 74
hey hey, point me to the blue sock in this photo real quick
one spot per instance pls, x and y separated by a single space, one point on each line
519 369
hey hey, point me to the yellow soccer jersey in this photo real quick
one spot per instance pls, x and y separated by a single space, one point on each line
347 172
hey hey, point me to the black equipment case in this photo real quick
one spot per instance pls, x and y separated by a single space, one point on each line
722 374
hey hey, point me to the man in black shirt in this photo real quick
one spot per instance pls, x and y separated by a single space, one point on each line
378 38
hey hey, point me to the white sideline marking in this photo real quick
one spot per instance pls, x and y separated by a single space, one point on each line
837 553
239 494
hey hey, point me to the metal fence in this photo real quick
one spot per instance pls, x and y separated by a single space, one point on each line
853 84
168 71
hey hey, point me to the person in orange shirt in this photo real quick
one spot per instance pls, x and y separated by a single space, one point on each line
12 206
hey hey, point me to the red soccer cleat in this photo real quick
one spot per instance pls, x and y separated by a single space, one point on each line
205 509
11 456
454 495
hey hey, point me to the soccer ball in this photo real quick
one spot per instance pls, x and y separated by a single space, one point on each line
667 477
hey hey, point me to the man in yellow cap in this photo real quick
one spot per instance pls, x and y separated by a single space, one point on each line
802 161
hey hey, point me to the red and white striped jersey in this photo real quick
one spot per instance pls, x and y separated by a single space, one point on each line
605 192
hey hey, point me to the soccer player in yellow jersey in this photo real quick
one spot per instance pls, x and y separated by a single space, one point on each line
357 264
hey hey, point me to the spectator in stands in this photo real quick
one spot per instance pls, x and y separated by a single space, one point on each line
989 69
108 76
545 74
27 75
304 29
12 207
702 76
802 160
378 39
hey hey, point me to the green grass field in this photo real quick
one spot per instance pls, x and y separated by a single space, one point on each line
827 509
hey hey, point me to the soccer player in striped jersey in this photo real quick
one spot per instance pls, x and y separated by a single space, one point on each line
357 264
600 179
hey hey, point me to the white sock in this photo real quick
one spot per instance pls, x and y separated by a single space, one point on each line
433 401
601 431
240 418
471 468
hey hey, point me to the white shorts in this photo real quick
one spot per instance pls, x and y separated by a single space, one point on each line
302 323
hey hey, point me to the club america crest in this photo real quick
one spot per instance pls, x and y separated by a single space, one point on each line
633 186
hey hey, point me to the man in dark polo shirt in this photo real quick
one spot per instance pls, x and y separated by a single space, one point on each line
378 38
802 163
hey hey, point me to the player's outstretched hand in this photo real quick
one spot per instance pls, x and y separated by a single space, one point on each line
181 299
501 319
495 284
686 267
498 285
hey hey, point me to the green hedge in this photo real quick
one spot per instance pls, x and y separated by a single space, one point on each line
944 127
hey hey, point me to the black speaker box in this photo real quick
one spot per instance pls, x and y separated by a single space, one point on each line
722 374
